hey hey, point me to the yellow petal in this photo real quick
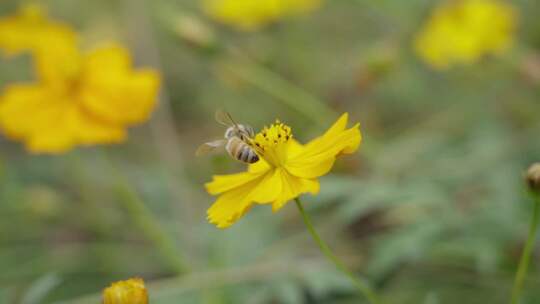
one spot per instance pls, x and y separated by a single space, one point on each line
73 127
250 15
224 183
90 131
244 14
259 166
292 187
108 59
30 30
335 135
50 142
311 169
22 111
58 66
351 140
318 156
28 20
269 188
233 204
293 149
464 31
49 122
115 92
338 126
53 44
55 135
239 192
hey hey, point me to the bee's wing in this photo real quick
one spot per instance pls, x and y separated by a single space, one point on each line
210 147
224 118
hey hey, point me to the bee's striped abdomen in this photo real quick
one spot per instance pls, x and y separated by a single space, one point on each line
241 151
247 155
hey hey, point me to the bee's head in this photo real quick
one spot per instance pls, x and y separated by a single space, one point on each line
246 130
230 132
241 131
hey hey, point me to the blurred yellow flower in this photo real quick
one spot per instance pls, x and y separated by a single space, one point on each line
285 170
30 30
462 31
131 291
251 15
79 98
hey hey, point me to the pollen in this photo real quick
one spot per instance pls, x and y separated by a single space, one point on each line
272 136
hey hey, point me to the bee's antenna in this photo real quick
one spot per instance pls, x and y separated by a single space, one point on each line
232 120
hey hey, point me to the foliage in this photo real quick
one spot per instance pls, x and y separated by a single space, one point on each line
432 209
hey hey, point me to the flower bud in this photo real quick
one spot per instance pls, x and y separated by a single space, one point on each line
378 63
533 178
131 291
194 31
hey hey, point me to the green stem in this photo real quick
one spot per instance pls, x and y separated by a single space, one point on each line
280 88
526 255
362 286
147 222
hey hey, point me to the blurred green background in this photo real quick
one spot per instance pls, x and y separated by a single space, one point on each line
432 209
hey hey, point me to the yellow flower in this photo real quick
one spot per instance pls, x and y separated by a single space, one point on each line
79 98
251 15
462 31
30 30
131 291
285 170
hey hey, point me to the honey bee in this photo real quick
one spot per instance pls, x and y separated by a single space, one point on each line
237 140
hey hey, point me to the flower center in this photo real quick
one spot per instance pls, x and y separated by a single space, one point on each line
271 143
